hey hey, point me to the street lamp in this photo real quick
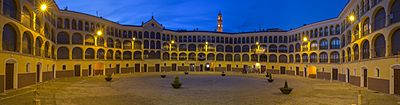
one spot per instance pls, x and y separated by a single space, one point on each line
99 33
352 18
43 7
305 39
133 40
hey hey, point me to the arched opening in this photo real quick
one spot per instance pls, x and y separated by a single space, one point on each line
89 53
27 43
11 9
62 53
9 38
379 19
77 39
62 38
77 53
365 49
395 42
380 46
395 12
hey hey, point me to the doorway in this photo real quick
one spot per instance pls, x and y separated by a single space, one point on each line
305 72
174 67
191 68
208 67
118 68
201 68
263 68
90 70
9 76
397 81
38 72
283 70
157 66
137 67
365 77
229 67
77 70
335 74
297 71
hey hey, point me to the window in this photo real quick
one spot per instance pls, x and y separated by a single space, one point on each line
77 53
366 27
27 67
335 43
62 38
395 12
395 41
9 41
10 9
377 72
323 57
323 44
335 57
365 50
314 45
313 58
356 52
27 43
380 46
62 53
64 67
379 19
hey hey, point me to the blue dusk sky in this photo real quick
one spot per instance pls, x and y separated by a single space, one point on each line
238 15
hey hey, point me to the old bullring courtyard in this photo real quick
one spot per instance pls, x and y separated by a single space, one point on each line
197 88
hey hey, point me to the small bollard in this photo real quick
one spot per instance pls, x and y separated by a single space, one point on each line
359 98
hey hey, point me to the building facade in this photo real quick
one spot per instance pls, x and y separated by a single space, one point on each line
361 46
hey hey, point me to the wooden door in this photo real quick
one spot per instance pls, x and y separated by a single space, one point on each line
365 78
397 81
38 71
297 71
229 67
77 70
157 67
174 67
335 74
137 67
9 76
90 70
117 69
283 70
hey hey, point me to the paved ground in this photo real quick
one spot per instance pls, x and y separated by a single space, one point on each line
198 89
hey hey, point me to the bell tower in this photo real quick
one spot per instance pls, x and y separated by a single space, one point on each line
219 22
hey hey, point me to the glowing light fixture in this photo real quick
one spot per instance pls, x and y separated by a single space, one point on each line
305 39
133 39
172 41
43 7
206 42
99 33
352 18
257 43
258 64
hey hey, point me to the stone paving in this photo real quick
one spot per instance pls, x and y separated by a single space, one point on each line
198 89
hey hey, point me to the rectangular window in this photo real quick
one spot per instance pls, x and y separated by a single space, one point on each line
64 67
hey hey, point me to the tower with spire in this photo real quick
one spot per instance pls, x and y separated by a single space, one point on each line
219 22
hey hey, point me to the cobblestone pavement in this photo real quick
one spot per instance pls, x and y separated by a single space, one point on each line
198 89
